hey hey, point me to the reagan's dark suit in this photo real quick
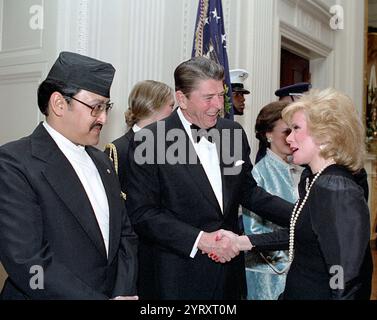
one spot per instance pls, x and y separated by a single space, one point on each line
122 145
46 219
170 204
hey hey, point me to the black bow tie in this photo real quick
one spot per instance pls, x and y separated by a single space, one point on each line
198 133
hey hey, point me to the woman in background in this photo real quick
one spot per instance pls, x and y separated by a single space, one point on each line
274 172
149 101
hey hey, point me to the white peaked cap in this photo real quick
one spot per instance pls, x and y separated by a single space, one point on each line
238 75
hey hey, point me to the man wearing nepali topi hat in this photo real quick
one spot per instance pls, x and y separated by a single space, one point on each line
64 229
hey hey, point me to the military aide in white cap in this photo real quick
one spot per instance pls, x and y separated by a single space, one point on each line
237 76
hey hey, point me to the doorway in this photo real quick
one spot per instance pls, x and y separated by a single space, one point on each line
293 68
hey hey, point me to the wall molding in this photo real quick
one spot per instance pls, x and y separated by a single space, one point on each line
24 114
21 54
303 39
22 73
145 56
22 51
83 27
185 31
260 22
317 8
24 77
95 23
226 15
1 23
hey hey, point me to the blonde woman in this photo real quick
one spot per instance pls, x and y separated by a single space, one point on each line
328 235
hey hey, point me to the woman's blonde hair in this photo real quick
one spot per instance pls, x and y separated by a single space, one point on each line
334 124
146 97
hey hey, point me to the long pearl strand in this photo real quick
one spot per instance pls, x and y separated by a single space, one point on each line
297 210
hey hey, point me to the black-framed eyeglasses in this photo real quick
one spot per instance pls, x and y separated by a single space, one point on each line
97 109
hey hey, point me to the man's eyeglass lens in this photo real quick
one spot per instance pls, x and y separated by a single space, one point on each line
98 108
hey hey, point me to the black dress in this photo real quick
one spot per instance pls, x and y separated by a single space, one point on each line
332 258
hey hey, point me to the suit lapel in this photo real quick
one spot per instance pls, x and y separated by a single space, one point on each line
200 178
224 178
114 201
195 171
63 179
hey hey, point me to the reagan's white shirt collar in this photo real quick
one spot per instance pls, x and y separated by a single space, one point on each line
186 124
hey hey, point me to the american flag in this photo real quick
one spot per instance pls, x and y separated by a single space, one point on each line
210 41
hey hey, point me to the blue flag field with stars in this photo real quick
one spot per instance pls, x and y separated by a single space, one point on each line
210 41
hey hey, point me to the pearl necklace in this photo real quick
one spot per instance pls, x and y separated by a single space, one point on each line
297 210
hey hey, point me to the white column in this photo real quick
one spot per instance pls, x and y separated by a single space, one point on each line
260 56
349 52
156 36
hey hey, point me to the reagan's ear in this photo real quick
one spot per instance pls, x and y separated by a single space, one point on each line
57 104
181 99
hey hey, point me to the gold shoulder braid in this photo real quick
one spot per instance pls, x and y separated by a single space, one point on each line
113 155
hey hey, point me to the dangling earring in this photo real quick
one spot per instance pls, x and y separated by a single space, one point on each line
322 146
269 140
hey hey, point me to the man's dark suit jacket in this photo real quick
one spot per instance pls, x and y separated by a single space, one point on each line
170 204
46 220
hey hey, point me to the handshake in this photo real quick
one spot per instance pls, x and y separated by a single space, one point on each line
223 245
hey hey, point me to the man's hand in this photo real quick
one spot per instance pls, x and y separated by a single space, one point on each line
241 243
218 247
221 234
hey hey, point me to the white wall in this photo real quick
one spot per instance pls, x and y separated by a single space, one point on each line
349 53
24 58
147 39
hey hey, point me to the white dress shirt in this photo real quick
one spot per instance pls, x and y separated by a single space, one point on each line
89 177
136 128
209 159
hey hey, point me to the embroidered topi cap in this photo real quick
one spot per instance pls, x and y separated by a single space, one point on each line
83 72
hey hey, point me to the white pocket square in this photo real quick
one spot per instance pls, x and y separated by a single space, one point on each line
239 163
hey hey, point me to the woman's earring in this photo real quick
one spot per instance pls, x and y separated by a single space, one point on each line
269 140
